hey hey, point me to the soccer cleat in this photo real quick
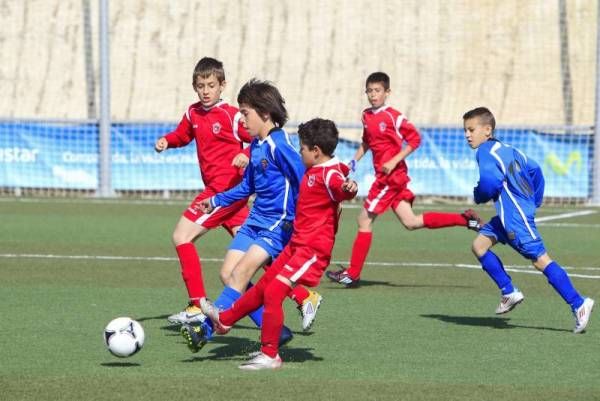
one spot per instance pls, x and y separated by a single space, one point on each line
191 314
342 277
308 309
194 336
582 315
509 301
262 361
212 312
473 219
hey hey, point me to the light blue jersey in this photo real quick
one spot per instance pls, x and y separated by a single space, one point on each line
273 174
516 185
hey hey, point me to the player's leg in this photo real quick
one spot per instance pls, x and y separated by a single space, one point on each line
275 293
490 234
360 249
433 220
184 234
559 280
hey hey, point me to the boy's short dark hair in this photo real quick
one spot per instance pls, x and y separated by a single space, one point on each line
208 66
319 132
381 77
484 114
264 97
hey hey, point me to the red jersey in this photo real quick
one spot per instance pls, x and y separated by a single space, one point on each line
317 208
384 130
219 137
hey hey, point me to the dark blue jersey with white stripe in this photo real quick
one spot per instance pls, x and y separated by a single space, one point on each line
516 185
273 173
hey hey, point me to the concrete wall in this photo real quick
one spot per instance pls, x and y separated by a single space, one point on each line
443 56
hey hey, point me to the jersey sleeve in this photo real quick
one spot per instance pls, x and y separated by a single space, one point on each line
240 132
490 178
182 135
537 178
410 133
334 181
242 190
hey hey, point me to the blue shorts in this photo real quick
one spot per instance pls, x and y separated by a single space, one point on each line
531 249
271 241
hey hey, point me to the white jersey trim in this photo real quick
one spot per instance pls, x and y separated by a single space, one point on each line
235 127
330 173
303 268
375 201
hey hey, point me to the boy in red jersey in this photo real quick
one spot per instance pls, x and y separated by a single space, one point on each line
307 255
385 130
219 136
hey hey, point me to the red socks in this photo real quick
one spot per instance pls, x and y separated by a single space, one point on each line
275 294
439 220
360 250
299 294
191 271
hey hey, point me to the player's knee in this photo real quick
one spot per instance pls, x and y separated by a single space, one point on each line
410 223
225 277
180 238
477 249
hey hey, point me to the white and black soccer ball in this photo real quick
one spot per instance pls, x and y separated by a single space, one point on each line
124 337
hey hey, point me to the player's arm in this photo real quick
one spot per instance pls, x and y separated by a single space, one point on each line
181 136
340 188
241 134
243 190
490 179
411 135
537 178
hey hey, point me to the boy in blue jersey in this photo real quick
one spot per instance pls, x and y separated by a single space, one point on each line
516 185
273 174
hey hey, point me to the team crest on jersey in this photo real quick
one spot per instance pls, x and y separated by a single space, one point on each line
216 128
264 163
311 180
382 126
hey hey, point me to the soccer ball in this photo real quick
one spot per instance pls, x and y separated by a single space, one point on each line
123 337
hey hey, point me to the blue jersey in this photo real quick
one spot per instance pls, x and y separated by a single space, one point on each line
516 185
273 174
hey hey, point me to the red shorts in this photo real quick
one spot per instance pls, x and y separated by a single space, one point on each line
229 217
381 196
301 265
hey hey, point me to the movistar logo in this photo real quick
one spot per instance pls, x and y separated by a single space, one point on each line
562 168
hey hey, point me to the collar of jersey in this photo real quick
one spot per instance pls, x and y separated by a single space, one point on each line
375 111
261 141
219 103
334 160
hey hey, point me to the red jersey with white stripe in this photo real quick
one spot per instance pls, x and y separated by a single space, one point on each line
317 208
384 130
219 136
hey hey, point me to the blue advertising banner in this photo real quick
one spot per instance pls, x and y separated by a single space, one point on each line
52 155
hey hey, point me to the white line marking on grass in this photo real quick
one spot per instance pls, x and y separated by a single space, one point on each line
565 215
511 268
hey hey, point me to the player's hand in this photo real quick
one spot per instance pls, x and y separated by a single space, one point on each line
350 186
388 167
240 160
161 144
204 205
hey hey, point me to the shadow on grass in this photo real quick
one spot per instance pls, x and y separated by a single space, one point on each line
159 317
120 364
369 283
237 349
493 322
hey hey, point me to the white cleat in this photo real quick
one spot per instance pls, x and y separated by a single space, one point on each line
309 309
191 314
509 301
262 361
212 312
582 315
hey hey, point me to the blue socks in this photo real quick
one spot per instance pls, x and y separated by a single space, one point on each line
558 279
224 301
494 268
